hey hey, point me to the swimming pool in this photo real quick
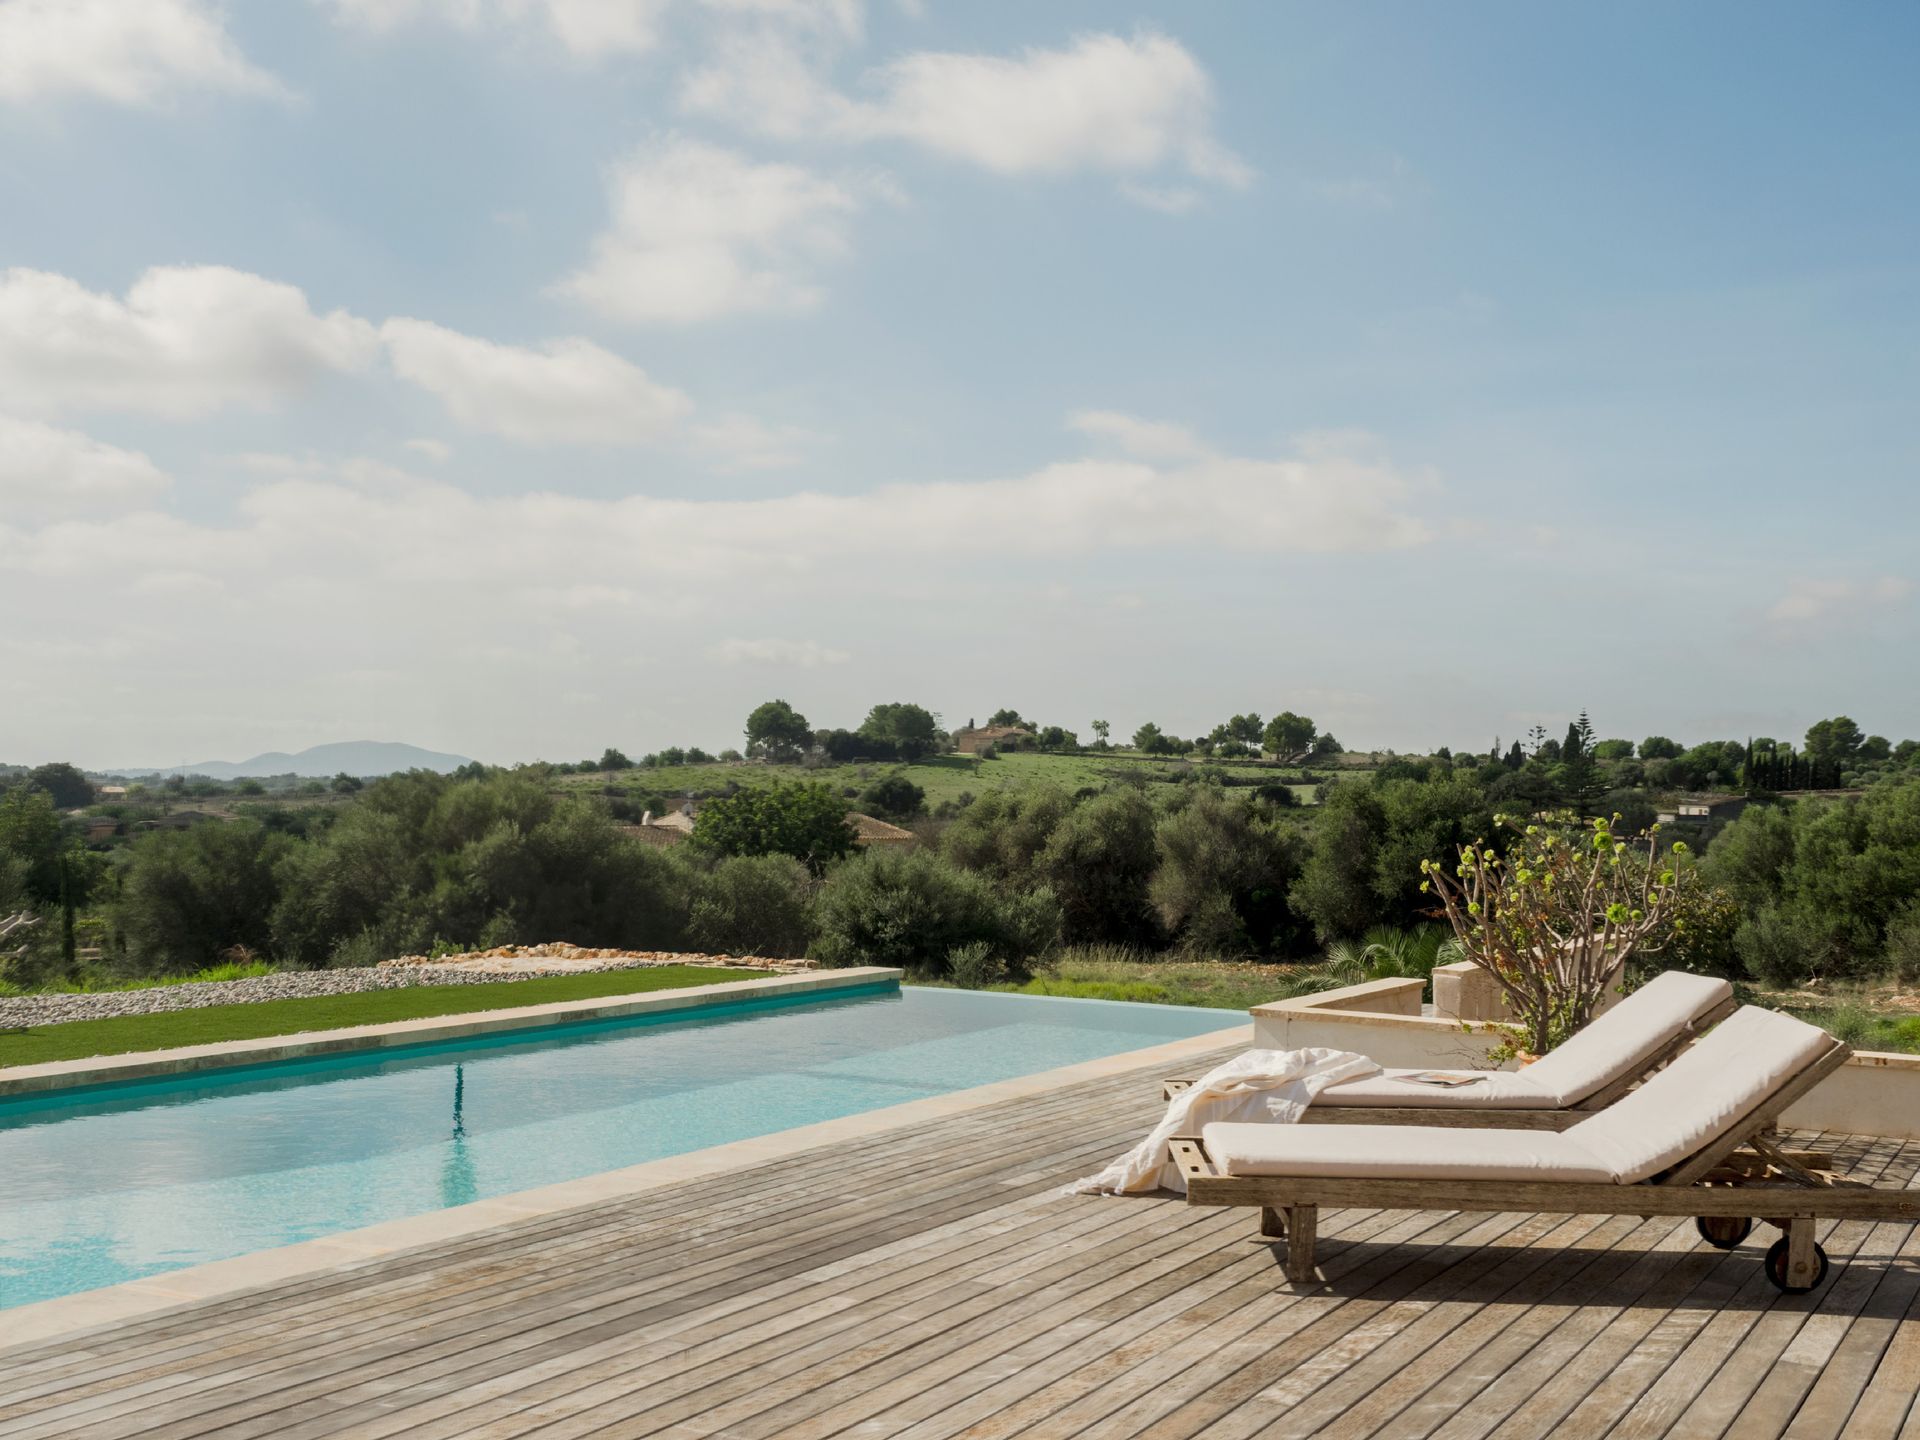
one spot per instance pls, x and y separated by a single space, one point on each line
121 1181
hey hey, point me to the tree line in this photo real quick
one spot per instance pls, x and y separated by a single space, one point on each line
1795 888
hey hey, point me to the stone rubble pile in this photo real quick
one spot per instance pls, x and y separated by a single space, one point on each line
559 958
509 962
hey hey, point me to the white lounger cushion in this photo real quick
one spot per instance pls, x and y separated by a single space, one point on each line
1623 1041
1709 1086
1714 1084
1618 1044
1501 1089
1399 1152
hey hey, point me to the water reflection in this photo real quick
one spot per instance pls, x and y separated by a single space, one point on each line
458 1184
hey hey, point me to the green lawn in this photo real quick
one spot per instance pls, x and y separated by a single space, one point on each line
943 777
1090 974
78 1039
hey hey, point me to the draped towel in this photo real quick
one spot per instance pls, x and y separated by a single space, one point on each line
1269 1085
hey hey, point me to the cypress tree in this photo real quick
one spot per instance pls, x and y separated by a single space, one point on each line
67 946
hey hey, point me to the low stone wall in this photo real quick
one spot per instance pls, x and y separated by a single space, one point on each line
1463 991
1874 1093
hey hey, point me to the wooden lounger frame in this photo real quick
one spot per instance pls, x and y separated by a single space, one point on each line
1486 1117
1741 1175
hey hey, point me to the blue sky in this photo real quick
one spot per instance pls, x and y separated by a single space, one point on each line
519 377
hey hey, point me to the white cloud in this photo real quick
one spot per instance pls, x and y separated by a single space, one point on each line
1814 599
186 341
1131 108
1148 439
128 52
700 232
1167 199
1104 103
589 29
736 442
552 595
1212 502
803 654
47 472
438 451
845 18
567 390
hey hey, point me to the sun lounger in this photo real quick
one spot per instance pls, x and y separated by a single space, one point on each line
1695 1139
1608 1056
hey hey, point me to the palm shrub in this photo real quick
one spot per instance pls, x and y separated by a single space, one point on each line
1384 953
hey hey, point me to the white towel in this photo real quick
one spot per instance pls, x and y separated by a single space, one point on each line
1269 1085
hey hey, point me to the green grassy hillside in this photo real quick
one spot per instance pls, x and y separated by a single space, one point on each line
944 777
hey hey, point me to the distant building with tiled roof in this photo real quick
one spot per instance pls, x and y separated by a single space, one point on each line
869 831
973 740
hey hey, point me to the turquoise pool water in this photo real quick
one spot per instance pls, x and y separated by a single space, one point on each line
129 1180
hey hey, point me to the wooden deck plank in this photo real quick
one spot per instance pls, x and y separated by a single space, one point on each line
1606 1366
1238 1273
514 1290
930 1283
575 1307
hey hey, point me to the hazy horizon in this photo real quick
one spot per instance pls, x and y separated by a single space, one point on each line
520 379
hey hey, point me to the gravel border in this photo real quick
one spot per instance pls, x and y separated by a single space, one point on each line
56 1009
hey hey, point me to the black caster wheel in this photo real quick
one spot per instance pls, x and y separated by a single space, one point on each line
1777 1269
1723 1232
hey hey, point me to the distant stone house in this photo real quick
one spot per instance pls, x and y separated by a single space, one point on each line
973 740
1699 810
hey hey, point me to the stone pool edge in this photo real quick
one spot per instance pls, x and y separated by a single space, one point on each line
56 1075
71 1316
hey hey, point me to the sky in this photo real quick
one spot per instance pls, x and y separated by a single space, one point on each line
523 377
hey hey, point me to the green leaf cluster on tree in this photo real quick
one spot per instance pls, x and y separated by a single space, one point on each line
805 820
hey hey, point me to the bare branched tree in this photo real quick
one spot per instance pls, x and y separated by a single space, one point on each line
1553 919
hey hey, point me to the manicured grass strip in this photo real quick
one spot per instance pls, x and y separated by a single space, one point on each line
78 1039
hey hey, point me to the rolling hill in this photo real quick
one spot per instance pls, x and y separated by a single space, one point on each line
364 758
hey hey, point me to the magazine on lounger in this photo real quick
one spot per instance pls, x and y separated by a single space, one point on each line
1443 1079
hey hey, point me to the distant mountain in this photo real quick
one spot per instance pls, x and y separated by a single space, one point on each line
364 758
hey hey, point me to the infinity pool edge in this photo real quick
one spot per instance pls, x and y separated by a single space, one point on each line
56 1075
70 1316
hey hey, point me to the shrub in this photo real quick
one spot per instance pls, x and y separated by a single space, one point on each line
485 861
752 905
1334 891
1099 861
187 895
1704 925
1221 884
1004 831
1903 944
893 797
1780 948
974 966
915 909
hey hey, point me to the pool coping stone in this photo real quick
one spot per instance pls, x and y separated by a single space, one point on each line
70 1316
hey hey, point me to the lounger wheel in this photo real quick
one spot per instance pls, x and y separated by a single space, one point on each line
1777 1269
1723 1232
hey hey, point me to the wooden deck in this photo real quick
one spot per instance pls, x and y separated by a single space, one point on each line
931 1283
